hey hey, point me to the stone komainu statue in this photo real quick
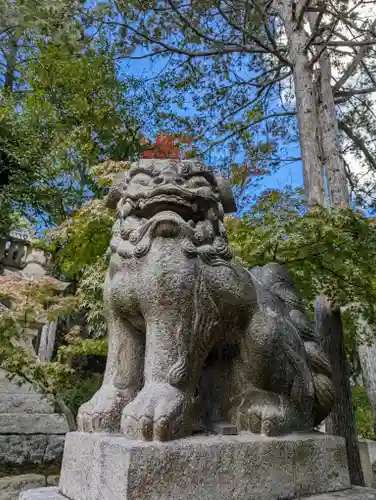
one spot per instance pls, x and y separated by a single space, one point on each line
195 338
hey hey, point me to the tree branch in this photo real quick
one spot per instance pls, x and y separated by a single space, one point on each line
311 39
240 28
351 68
192 27
145 56
249 125
225 49
352 92
301 10
369 74
349 43
359 143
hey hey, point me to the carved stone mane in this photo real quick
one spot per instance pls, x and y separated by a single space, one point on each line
197 204
193 336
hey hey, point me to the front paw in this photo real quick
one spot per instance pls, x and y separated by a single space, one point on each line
103 412
160 411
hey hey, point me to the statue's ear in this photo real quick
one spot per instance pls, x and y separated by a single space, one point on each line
114 195
226 195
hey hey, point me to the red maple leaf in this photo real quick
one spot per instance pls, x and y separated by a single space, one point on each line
166 146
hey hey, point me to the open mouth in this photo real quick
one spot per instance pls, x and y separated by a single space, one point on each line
150 207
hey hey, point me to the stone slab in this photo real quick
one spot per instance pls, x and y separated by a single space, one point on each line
242 467
24 403
42 494
365 460
12 486
14 385
355 493
371 449
33 423
25 450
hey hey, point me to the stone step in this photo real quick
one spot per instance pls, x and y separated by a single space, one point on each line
33 423
15 385
24 403
23 451
355 493
12 486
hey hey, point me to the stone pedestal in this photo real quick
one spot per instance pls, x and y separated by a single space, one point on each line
243 467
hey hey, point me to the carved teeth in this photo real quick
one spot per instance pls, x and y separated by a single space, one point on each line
141 205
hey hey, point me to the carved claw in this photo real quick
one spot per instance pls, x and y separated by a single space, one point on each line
159 412
266 413
103 412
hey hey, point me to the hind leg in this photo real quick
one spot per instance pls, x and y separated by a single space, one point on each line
271 387
246 406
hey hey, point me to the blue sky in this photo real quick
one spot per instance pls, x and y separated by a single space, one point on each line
290 174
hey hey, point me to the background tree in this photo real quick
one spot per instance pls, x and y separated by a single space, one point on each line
250 68
64 107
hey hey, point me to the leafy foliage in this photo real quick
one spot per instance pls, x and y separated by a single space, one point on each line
331 252
363 414
327 252
67 109
23 304
81 391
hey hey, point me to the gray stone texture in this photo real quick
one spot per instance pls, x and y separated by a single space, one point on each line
30 450
12 486
53 480
243 467
15 385
23 403
365 458
33 423
31 434
355 493
42 494
54 450
194 336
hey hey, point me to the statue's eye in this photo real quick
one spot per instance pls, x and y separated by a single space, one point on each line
197 181
142 179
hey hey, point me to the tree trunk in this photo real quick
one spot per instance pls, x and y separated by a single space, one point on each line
68 413
341 421
305 104
47 341
367 357
329 326
334 167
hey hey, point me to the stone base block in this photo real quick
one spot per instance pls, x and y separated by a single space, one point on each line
242 467
355 493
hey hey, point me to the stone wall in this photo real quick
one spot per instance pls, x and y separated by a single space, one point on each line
32 433
32 438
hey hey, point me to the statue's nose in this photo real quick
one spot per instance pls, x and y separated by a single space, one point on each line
168 178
